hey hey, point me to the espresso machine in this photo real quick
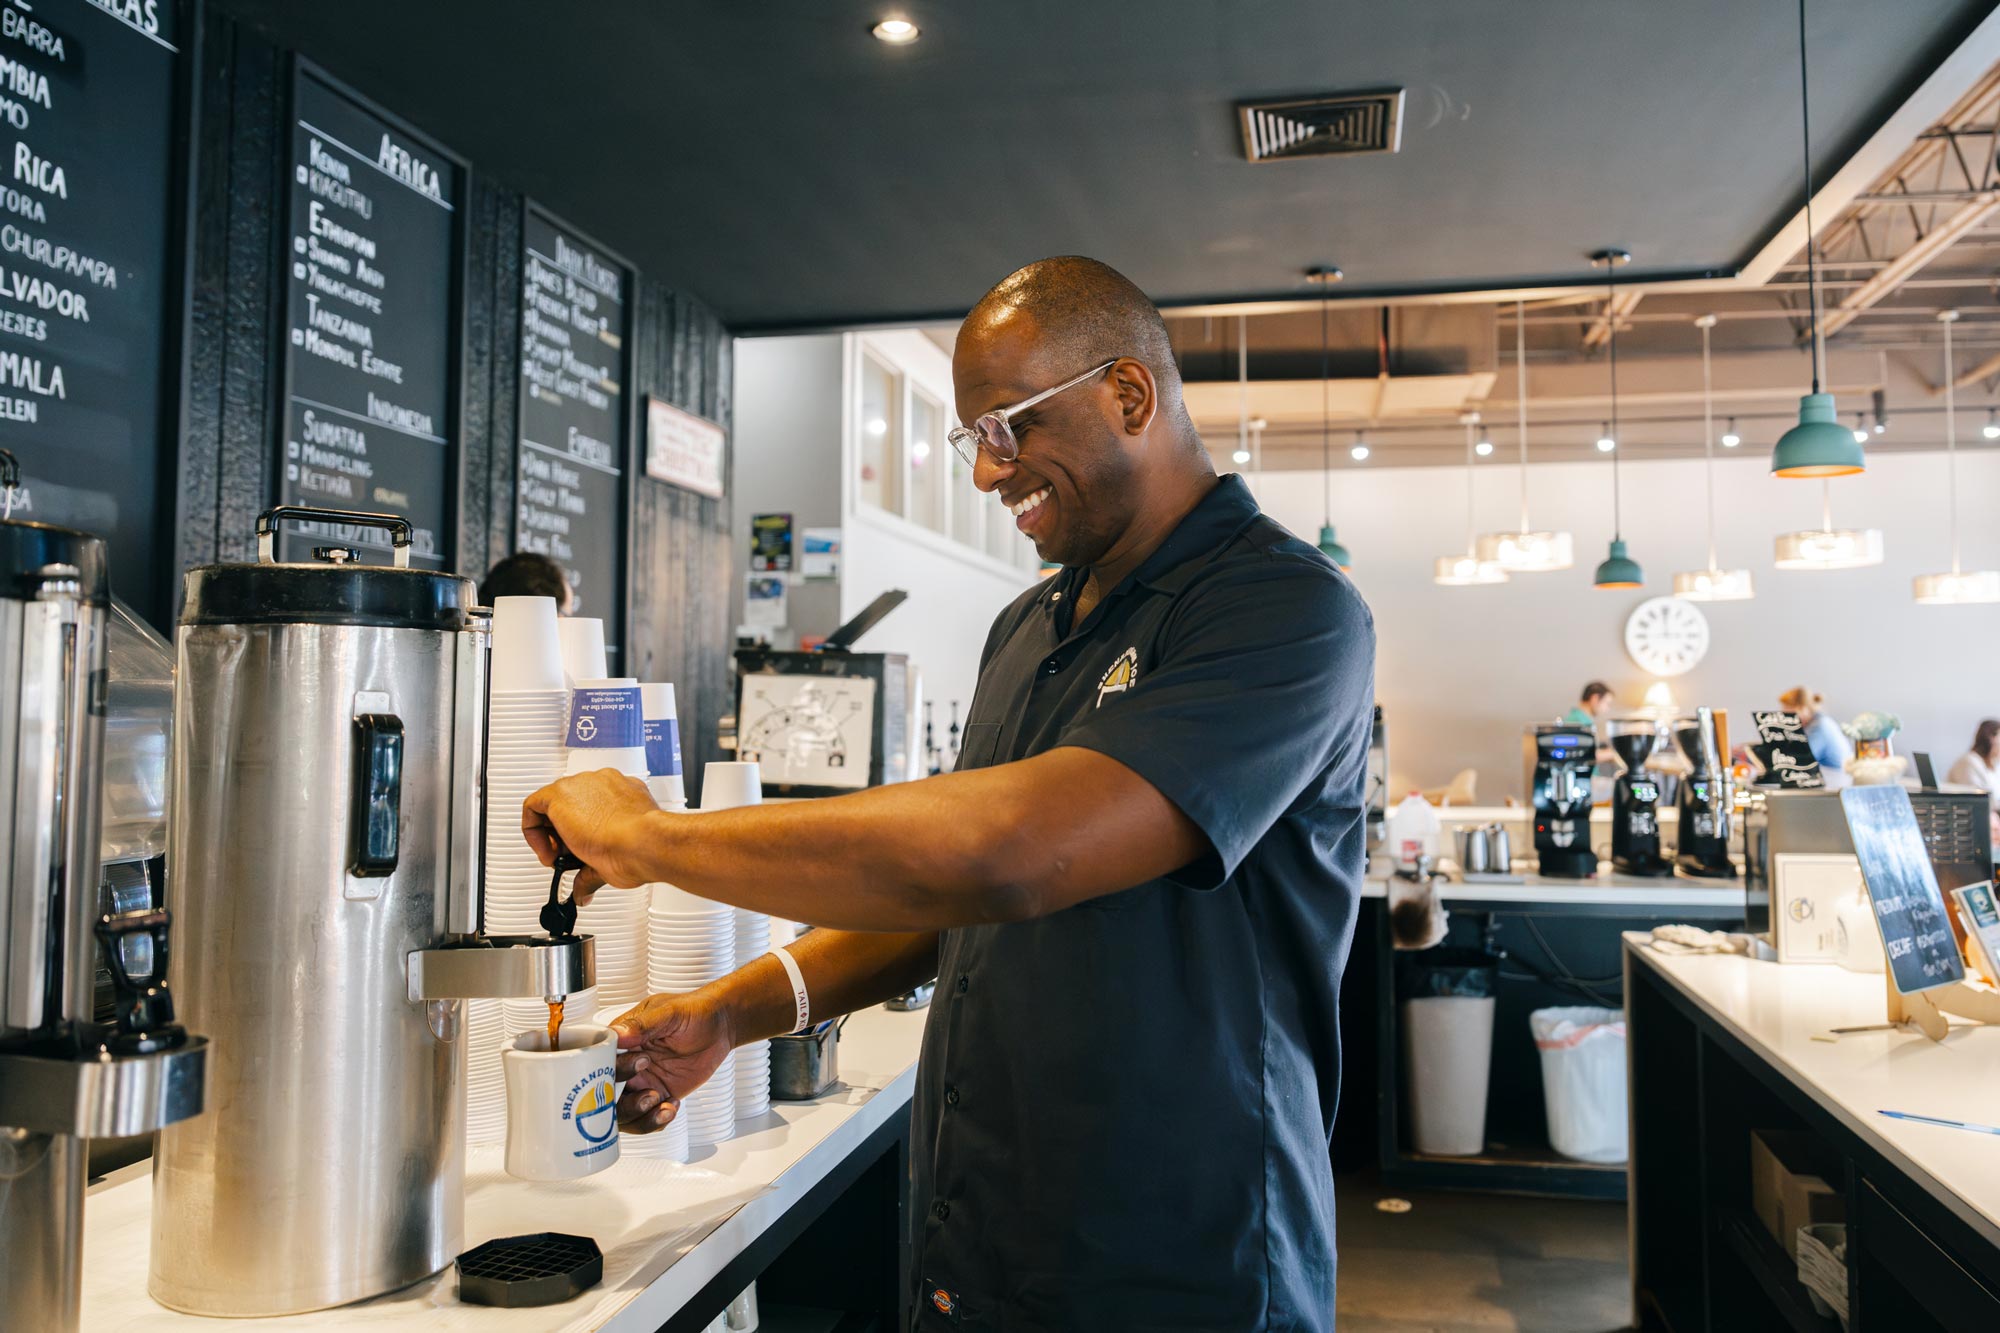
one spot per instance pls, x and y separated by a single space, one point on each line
64 1078
1559 789
1635 802
323 863
1704 807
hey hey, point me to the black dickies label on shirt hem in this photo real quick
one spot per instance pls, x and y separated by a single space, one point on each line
938 1301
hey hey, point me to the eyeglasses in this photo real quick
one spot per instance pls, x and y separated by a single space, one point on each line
994 431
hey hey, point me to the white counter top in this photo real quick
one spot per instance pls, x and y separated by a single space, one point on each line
1775 1008
666 1228
1599 890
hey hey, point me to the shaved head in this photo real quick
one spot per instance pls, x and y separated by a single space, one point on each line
1098 471
1084 312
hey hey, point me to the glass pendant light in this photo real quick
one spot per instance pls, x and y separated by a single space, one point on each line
1618 569
1828 547
1526 551
1711 584
1959 587
1819 446
1329 544
1460 571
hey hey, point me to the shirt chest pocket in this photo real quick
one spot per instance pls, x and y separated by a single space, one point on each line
978 745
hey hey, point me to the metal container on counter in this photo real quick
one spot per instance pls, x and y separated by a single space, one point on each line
64 1079
323 862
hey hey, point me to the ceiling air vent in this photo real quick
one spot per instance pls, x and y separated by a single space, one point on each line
1335 125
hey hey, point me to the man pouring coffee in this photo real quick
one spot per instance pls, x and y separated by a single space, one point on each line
1136 893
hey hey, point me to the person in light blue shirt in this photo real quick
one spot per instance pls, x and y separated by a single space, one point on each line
1829 743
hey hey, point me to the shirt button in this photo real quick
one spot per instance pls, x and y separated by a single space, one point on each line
964 983
940 1210
1051 667
951 1094
1057 597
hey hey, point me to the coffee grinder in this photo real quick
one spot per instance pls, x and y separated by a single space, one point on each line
1635 802
1704 803
1559 787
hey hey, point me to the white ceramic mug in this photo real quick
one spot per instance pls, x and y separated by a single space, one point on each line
562 1106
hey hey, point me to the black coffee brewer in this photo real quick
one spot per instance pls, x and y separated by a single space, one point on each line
1564 757
1635 803
1704 806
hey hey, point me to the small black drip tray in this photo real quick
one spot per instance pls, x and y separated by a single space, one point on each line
545 1268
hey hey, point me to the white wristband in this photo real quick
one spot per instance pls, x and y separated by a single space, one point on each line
799 1001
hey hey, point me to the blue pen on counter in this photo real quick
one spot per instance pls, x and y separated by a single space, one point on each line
1937 1120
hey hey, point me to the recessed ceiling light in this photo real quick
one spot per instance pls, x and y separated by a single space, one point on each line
1483 448
1359 453
896 32
1241 456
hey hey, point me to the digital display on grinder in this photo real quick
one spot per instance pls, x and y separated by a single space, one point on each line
1645 791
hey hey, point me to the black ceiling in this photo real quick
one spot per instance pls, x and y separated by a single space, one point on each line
777 161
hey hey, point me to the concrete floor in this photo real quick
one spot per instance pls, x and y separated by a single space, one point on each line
1460 1262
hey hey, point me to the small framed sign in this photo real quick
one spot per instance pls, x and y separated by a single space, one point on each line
1909 906
1784 753
771 543
684 449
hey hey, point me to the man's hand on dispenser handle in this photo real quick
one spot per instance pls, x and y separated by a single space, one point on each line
602 819
668 1045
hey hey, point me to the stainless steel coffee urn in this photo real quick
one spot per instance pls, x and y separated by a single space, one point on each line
64 1079
323 869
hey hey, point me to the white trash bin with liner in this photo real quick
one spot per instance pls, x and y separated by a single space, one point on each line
1447 1021
1583 1080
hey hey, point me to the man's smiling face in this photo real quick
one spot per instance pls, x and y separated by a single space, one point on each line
1070 491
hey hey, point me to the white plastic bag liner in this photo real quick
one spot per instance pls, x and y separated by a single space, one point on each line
1583 1080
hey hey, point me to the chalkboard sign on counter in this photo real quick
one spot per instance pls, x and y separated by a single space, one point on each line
372 329
575 428
89 270
1903 887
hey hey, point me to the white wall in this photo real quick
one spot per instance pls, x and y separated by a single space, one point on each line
1461 670
794 452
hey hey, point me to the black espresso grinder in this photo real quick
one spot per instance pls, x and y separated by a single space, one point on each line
1635 804
1705 802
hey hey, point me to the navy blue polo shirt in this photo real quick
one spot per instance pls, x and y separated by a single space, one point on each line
1123 1112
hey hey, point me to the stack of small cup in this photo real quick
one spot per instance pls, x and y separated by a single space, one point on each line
666 1145
727 786
606 731
692 942
526 710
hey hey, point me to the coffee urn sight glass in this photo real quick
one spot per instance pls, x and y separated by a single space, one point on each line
65 1079
326 817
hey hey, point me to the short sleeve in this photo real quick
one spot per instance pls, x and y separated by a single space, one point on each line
1264 677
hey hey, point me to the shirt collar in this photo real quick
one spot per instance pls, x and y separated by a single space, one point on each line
1218 517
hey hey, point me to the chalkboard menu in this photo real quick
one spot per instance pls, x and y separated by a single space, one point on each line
87 273
574 425
1784 752
1902 886
371 340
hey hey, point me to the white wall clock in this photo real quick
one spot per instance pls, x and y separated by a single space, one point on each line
1666 636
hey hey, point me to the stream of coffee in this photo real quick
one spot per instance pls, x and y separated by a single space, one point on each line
555 1023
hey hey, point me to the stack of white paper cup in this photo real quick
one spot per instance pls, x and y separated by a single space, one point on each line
663 746
526 711
606 731
582 644
726 786
666 1145
692 942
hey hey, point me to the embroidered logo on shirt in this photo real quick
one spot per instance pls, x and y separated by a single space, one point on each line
1122 676
946 1303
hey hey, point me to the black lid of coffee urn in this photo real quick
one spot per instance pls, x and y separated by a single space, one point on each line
26 549
327 594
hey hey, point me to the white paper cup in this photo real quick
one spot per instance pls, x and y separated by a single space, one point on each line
527 655
727 785
562 1116
582 639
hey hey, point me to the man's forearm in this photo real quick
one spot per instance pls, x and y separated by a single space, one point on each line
843 971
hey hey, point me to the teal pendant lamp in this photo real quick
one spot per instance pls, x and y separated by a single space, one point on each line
1819 446
1329 544
1618 569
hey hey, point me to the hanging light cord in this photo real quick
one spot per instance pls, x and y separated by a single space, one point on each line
1326 407
1826 506
1470 544
1611 312
1708 438
1521 398
1805 123
1951 444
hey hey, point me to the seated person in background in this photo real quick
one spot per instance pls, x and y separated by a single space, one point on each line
1975 768
1830 745
526 574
